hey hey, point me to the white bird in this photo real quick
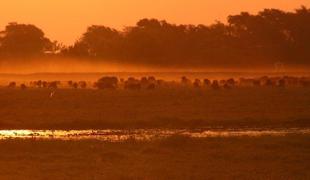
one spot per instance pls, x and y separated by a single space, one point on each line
52 94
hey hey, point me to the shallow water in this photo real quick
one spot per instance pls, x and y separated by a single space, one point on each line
143 134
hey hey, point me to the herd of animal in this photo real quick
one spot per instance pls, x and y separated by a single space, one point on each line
150 83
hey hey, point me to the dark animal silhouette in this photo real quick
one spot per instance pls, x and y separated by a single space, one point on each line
107 83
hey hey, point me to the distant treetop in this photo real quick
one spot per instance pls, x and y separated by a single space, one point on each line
268 37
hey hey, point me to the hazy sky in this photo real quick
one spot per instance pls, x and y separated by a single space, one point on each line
66 20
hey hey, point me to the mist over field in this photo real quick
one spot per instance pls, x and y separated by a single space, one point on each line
158 100
65 65
86 65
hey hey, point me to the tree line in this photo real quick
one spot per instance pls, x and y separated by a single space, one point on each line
268 37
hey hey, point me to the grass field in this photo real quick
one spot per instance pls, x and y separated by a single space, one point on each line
176 157
161 108
173 158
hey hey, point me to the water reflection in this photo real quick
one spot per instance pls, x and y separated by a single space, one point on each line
143 134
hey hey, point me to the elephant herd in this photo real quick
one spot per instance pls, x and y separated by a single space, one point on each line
151 83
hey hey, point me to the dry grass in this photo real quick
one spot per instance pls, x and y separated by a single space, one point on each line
172 158
166 108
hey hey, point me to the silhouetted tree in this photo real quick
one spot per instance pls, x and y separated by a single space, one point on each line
269 37
98 41
23 40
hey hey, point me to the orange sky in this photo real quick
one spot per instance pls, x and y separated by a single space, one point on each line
66 20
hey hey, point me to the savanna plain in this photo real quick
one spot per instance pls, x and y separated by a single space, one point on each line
174 157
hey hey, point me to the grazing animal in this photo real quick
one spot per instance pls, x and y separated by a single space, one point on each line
107 83
82 84
44 84
148 83
151 79
281 83
215 85
227 86
70 83
231 82
207 82
53 85
292 81
197 83
269 83
144 82
75 85
222 82
23 87
37 84
185 81
12 85
133 84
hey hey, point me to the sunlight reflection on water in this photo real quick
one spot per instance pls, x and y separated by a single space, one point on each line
143 134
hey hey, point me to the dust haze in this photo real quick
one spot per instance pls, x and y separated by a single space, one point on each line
66 65
71 65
